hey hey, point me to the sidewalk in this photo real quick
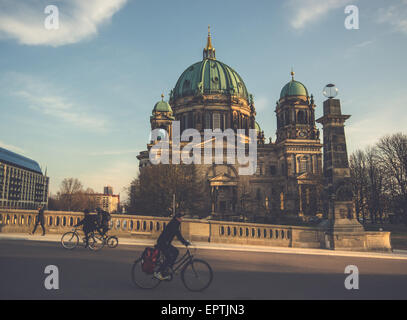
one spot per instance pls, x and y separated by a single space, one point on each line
396 254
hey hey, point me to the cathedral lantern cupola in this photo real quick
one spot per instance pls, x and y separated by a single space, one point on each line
209 50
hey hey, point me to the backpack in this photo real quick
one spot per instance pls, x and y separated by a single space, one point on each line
106 216
149 259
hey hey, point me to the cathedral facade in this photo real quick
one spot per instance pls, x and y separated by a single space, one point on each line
287 183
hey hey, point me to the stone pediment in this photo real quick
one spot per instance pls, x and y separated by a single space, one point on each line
222 179
307 176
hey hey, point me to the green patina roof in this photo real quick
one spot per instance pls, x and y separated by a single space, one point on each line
162 106
294 88
210 76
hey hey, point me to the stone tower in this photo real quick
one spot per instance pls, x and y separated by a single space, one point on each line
341 223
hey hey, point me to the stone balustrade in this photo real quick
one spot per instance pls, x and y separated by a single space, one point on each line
147 227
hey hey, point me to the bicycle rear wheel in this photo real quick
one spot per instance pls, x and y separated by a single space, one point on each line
197 275
69 240
142 279
96 243
112 242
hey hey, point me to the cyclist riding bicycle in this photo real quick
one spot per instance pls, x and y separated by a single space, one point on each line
103 218
89 225
164 245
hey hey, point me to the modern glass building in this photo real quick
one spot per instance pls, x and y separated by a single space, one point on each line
22 183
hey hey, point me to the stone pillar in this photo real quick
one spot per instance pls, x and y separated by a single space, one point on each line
345 231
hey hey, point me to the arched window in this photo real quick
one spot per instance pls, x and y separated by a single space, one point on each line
287 117
216 121
207 120
301 117
303 165
282 201
258 195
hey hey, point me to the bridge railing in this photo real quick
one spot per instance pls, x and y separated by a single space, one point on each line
147 227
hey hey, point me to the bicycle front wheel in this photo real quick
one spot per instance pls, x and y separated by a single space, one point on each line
112 242
142 279
70 240
197 275
96 243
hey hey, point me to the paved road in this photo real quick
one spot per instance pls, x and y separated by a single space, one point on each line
238 275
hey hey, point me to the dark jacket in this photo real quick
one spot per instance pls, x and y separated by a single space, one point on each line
40 215
170 231
89 223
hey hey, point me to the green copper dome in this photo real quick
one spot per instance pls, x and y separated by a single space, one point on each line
162 106
294 88
209 76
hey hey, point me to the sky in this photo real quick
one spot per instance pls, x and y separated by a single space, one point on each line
77 99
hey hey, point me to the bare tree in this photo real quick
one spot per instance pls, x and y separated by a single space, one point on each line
152 192
375 187
392 152
358 169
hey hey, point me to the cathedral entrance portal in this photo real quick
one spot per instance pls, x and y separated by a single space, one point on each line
224 195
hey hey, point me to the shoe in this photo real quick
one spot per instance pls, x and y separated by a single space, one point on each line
159 276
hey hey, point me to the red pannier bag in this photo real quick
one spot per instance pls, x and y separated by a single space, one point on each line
149 260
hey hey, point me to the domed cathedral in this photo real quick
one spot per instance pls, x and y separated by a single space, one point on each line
211 95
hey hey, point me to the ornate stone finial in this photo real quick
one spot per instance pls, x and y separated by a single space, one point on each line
209 50
162 96
292 74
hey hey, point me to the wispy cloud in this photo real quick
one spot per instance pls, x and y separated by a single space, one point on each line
305 12
44 98
395 16
79 19
351 51
11 147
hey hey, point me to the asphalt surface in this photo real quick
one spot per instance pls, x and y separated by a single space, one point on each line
105 274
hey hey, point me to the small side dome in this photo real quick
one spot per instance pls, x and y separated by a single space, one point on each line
293 88
162 106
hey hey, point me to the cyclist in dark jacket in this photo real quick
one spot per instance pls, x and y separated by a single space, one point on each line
164 245
89 223
103 218
40 220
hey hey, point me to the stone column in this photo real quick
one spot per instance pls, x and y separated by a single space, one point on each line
345 230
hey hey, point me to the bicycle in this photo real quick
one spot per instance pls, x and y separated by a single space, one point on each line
196 274
110 241
70 240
